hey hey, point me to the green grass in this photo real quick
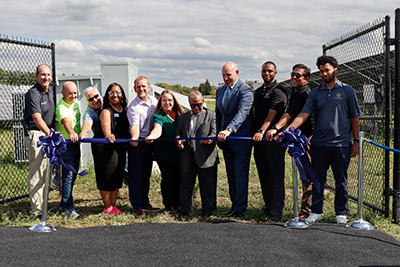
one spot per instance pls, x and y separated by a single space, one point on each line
87 198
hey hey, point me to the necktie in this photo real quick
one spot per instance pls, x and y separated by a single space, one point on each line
227 96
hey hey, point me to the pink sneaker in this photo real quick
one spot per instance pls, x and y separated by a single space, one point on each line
117 211
109 211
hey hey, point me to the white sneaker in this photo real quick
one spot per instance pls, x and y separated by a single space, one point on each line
314 217
341 219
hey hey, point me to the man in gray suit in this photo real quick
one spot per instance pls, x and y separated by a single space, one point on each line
197 157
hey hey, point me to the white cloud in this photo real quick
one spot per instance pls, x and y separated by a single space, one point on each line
201 42
187 42
69 46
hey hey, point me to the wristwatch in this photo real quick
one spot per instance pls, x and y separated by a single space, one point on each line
274 128
261 131
229 129
356 140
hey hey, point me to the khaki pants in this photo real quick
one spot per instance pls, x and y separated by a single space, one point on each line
37 172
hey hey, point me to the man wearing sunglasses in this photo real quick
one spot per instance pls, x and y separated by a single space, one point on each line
300 90
91 118
197 157
269 105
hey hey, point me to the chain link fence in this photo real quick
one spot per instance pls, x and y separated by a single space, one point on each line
18 61
361 58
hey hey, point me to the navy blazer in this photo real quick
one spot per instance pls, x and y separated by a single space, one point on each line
238 116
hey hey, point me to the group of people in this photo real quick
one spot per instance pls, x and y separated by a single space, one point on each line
326 115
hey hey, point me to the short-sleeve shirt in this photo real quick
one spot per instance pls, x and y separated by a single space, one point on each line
37 100
296 104
274 96
93 115
70 111
333 109
141 113
165 150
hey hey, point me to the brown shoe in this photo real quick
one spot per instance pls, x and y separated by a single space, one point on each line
150 208
140 213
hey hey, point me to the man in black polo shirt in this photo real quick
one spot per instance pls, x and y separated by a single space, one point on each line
300 90
38 119
269 105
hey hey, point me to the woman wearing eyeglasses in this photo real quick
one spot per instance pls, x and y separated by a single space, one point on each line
166 152
110 158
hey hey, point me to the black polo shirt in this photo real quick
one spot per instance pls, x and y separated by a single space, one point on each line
273 97
37 100
296 104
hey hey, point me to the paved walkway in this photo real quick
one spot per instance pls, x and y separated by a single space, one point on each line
199 244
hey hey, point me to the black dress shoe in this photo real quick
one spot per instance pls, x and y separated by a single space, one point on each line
229 212
237 214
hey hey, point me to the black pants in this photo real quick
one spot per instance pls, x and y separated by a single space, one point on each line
170 183
207 184
270 162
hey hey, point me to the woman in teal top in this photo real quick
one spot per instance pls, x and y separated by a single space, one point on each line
166 152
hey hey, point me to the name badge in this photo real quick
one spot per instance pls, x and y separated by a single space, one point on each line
116 115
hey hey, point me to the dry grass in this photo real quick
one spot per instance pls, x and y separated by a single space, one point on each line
87 199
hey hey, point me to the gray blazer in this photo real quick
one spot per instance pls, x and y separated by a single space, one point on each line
205 155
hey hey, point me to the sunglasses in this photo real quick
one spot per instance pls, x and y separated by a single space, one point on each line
93 98
298 75
114 93
196 105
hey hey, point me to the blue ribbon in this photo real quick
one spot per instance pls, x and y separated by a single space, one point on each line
53 146
296 142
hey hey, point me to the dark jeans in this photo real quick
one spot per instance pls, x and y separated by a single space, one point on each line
338 158
170 183
72 157
140 162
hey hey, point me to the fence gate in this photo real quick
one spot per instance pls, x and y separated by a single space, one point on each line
361 57
18 61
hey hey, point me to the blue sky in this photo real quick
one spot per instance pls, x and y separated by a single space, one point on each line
187 42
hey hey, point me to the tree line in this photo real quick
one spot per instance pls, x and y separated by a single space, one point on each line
205 88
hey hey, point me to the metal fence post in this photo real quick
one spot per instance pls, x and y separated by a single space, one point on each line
388 115
396 157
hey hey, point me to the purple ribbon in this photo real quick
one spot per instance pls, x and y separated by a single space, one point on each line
53 146
122 140
296 142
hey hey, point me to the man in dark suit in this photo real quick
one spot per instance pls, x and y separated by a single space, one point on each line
233 109
197 157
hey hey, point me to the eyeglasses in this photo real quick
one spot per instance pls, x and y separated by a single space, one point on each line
114 93
298 75
93 98
196 105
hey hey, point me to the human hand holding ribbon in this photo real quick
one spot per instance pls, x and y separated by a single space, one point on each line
53 145
296 142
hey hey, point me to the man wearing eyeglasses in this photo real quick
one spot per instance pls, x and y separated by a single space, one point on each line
140 158
269 105
197 157
300 90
